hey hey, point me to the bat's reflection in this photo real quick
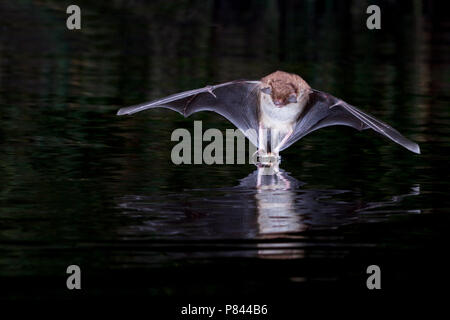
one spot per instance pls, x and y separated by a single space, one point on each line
275 198
262 206
285 210
283 206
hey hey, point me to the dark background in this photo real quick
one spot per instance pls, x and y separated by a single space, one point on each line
79 185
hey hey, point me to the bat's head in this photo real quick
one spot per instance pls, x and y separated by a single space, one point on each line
285 88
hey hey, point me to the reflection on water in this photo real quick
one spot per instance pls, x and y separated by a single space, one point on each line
275 203
262 206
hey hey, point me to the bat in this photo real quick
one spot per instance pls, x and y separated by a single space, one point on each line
275 111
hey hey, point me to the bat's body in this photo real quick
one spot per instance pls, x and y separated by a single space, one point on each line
274 112
277 115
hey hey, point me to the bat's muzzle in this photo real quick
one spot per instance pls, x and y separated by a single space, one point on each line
278 103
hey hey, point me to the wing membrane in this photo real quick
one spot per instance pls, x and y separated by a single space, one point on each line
324 110
237 101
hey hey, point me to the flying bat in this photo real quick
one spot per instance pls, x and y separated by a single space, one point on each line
275 111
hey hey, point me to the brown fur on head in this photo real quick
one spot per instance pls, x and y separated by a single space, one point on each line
283 85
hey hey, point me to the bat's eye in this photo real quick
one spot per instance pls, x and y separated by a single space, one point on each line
267 90
292 98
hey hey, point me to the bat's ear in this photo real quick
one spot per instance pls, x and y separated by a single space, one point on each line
266 90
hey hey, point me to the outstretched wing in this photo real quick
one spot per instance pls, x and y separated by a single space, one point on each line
236 100
324 110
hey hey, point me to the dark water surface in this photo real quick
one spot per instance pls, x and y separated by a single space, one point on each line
82 186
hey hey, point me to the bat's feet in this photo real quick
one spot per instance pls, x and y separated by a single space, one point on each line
263 159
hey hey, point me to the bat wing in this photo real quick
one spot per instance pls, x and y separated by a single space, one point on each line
324 110
236 100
